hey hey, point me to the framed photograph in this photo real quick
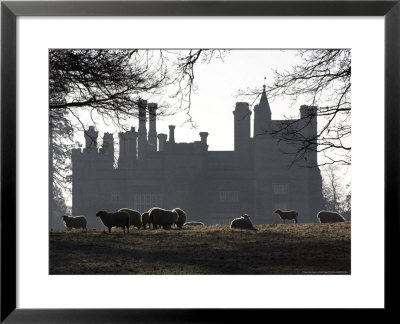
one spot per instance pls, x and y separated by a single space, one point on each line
194 152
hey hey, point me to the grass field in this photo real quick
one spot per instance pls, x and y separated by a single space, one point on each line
272 249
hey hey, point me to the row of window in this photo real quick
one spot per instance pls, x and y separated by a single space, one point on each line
232 196
144 201
141 201
154 199
280 188
229 196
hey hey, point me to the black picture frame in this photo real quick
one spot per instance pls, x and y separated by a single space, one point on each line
10 10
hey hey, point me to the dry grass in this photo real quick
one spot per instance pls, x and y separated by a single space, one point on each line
273 249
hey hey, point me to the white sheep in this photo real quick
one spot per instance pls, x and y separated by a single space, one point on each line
193 224
291 214
145 219
74 222
181 217
243 222
329 217
162 217
135 218
118 219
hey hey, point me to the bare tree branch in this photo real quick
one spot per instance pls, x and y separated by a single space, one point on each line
322 79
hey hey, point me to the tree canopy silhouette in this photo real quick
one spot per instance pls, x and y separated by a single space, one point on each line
111 82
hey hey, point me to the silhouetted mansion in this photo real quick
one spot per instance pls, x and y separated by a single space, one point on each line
211 186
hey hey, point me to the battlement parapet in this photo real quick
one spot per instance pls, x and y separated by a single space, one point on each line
108 136
131 134
76 154
308 111
197 147
242 110
152 106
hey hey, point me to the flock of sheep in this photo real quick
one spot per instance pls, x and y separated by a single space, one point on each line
243 222
322 216
158 217
125 218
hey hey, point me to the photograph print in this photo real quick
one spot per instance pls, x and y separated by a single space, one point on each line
200 161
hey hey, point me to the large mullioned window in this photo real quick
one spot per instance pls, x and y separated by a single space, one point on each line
229 196
280 188
142 202
115 196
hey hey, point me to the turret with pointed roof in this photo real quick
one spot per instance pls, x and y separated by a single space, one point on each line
262 115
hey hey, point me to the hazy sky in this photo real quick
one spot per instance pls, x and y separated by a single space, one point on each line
218 83
214 100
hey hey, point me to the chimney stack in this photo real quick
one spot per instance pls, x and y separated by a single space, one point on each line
162 138
142 116
171 134
108 149
203 136
91 138
142 132
152 136
242 115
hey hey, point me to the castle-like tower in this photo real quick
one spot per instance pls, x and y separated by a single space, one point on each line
211 186
242 115
262 116
128 149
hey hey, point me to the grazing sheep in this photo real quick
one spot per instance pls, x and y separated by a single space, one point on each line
135 219
181 217
193 224
145 219
243 222
292 215
162 217
118 219
329 217
74 222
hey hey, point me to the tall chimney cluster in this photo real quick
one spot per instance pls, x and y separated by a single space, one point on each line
152 137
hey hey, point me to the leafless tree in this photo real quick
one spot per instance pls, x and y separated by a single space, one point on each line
184 71
337 196
347 204
332 189
321 79
108 84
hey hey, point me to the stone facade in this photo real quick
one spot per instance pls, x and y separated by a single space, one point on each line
211 186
